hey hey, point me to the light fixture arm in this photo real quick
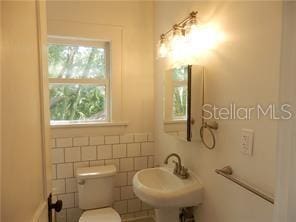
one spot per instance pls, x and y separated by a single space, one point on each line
180 25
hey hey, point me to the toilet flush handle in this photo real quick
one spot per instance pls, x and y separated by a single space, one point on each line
81 182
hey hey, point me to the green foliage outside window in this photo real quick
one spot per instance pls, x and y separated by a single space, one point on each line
180 102
180 93
77 102
76 62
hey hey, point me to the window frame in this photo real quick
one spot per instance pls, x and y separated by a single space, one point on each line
176 83
113 35
64 40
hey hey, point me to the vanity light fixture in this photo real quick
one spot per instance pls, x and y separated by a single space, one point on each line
173 42
163 51
187 41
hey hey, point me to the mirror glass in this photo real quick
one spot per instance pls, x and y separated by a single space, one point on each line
183 100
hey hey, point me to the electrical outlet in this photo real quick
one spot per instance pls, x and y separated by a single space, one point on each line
247 137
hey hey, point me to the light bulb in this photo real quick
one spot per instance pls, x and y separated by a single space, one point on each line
202 38
162 47
162 50
195 39
178 46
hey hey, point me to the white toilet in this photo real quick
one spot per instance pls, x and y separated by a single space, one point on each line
95 193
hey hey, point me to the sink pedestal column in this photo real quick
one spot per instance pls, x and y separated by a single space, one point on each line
167 215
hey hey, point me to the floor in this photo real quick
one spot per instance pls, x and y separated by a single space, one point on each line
142 220
146 220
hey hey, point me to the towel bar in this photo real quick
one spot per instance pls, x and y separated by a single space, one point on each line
227 173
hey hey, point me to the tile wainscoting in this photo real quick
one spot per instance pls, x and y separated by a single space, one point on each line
129 153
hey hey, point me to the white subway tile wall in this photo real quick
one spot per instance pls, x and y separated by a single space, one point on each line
72 154
129 153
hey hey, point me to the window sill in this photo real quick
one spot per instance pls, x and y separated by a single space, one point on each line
175 121
90 124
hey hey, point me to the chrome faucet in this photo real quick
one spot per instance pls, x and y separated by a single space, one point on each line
179 170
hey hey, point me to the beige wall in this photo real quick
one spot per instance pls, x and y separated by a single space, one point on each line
244 70
0 106
22 187
136 21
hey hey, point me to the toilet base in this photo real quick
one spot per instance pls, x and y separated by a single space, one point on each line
100 215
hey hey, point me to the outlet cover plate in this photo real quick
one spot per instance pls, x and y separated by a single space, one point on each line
247 141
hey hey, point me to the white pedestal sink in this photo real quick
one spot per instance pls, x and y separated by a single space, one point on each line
166 192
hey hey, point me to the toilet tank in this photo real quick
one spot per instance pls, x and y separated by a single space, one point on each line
95 186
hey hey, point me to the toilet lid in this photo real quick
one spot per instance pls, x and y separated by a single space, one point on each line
100 215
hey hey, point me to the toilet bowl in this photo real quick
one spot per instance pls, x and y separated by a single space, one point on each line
95 194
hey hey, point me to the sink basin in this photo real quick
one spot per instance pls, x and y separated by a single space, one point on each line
160 188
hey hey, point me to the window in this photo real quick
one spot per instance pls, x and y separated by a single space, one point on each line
79 80
180 93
